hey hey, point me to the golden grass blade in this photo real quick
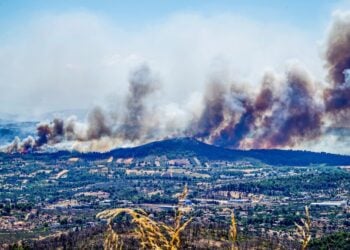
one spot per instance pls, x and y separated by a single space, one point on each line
112 241
233 231
152 234
303 230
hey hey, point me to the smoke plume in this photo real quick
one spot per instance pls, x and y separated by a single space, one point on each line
337 55
141 84
213 113
285 111
295 116
99 132
274 117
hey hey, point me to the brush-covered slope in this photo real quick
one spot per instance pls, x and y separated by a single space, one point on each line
190 147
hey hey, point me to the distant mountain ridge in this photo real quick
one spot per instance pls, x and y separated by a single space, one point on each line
179 147
192 147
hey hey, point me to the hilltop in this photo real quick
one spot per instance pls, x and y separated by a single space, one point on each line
191 146
177 147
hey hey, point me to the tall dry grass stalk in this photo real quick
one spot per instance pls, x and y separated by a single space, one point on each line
152 234
233 232
303 230
112 240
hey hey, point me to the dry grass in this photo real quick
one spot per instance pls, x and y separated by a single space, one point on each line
112 241
233 232
160 236
152 234
303 230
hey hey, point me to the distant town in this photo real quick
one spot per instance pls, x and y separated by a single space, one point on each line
44 197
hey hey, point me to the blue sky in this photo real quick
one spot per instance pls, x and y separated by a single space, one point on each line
311 14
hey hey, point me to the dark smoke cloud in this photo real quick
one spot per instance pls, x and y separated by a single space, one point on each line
295 115
142 83
229 114
337 55
272 118
51 133
256 113
213 113
233 131
97 125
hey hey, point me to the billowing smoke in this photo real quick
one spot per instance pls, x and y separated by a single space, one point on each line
141 84
232 131
277 116
285 111
337 55
287 115
213 113
23 146
99 125
50 133
294 115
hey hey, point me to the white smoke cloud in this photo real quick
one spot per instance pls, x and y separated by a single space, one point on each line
80 59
